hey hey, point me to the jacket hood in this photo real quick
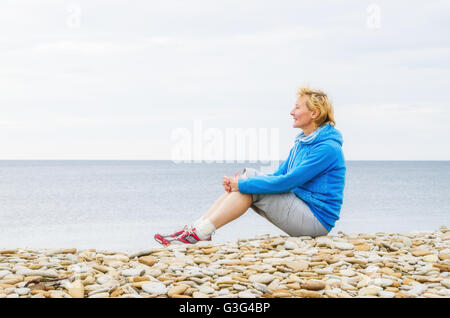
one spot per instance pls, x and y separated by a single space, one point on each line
326 132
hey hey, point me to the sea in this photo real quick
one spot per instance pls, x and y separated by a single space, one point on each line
119 205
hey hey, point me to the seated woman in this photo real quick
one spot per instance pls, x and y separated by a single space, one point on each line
303 197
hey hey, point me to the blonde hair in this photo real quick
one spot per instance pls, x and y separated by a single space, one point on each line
318 100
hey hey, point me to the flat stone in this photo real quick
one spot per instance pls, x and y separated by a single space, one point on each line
76 289
154 288
306 293
176 290
347 272
383 282
343 246
133 272
313 285
430 258
199 295
261 278
386 294
100 295
22 291
262 288
297 266
419 253
246 294
289 245
148 260
362 247
446 283
369 291
281 294
239 287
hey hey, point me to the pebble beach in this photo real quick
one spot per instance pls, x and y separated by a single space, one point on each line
354 265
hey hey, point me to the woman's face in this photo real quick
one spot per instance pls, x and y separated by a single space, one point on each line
301 114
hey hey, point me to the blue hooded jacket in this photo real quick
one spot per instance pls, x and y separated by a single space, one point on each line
314 171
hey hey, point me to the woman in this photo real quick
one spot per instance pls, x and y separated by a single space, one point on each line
303 197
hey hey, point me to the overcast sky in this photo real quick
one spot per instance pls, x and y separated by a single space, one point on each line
115 79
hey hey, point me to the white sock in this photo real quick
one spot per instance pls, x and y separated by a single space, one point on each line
205 229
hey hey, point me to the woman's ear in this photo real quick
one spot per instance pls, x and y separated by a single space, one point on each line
315 114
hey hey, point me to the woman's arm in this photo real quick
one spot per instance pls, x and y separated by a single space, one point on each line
320 159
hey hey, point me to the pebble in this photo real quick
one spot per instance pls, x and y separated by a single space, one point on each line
344 246
262 278
386 294
383 282
22 291
445 283
289 245
206 289
133 272
385 265
154 288
246 294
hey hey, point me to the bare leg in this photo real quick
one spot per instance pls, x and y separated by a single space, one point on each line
215 205
218 202
233 206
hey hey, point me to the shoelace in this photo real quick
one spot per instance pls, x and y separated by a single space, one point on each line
189 230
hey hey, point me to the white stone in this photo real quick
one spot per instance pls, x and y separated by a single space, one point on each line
370 290
264 278
100 295
343 246
4 273
22 291
282 254
239 287
154 288
205 289
290 245
324 271
103 279
383 282
262 288
371 269
99 291
133 272
246 294
417 290
445 283
386 294
323 241
348 272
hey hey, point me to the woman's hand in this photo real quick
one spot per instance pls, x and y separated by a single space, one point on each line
231 184
226 184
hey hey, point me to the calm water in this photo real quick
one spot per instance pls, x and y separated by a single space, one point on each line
119 205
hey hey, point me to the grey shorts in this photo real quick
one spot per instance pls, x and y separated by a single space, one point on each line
286 211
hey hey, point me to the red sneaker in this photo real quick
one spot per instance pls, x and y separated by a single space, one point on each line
165 239
188 237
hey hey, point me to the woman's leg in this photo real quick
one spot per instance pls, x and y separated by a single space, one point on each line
215 205
233 206
218 202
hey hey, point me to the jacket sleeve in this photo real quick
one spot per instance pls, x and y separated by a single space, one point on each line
320 158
